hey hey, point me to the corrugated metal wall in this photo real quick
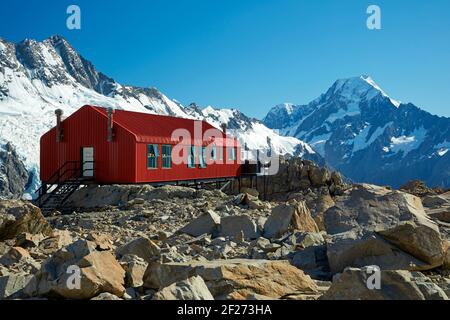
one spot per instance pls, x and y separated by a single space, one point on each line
122 161
114 161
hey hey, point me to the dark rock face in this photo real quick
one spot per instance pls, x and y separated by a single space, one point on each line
81 69
296 175
13 174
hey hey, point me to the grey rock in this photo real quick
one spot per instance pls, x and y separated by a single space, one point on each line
374 225
18 217
313 260
99 272
233 226
141 247
206 223
289 216
235 278
193 288
134 267
12 286
352 284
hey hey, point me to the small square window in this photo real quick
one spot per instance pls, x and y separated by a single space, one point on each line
152 156
191 157
202 158
232 153
167 156
213 153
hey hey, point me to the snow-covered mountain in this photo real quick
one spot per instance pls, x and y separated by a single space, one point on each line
369 136
38 77
253 132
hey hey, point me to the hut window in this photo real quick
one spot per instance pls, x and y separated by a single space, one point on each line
191 157
213 151
152 156
167 156
232 154
203 158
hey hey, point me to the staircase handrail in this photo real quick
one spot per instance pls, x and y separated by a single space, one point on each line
76 173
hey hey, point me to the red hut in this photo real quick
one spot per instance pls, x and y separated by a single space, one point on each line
108 146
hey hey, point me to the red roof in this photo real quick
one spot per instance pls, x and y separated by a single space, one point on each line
151 128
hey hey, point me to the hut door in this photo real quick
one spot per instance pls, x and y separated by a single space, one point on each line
87 156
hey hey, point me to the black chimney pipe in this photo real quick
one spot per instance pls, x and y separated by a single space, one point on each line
224 128
59 128
110 124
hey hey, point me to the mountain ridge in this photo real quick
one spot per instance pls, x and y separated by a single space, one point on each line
368 136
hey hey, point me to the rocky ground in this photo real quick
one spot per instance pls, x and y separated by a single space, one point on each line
315 239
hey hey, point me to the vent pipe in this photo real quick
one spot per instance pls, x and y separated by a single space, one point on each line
224 128
110 124
59 127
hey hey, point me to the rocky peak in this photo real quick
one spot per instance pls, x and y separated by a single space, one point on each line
13 174
79 68
357 89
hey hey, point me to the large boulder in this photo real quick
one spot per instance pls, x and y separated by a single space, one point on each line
134 267
319 205
11 286
79 263
436 201
235 278
93 196
313 260
293 215
58 240
142 247
18 217
207 223
361 284
375 225
438 206
234 226
193 288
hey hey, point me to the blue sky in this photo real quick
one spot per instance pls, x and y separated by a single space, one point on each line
253 54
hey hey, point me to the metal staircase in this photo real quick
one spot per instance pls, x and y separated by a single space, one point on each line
53 193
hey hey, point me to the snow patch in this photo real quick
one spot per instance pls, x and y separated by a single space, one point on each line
442 148
352 109
362 140
406 144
